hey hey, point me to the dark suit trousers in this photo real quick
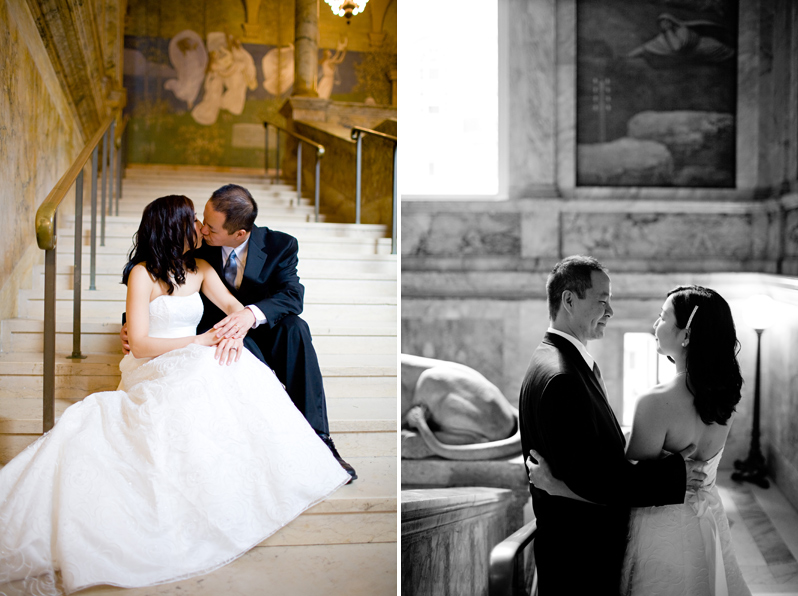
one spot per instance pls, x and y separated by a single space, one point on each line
288 350
581 550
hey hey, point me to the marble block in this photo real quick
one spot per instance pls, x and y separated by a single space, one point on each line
508 473
447 536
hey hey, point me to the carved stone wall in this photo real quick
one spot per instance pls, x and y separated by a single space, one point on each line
52 90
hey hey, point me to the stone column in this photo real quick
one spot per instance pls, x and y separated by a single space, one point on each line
306 48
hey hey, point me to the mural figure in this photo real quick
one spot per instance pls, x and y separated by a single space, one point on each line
189 59
278 70
329 67
678 41
231 72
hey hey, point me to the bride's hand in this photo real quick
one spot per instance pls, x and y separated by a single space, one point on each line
540 475
229 350
209 338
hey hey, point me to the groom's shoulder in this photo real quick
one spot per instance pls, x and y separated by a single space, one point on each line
274 238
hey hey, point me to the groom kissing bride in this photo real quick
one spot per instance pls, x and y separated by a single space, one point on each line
616 517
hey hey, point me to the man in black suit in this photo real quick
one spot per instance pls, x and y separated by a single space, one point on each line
262 274
566 418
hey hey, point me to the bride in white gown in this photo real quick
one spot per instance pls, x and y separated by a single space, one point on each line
682 550
183 469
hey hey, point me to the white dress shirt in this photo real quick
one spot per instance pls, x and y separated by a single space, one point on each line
577 344
242 250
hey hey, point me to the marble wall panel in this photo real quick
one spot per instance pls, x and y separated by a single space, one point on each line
658 236
453 234
532 105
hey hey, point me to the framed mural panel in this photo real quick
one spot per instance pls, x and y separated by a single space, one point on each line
656 93
202 77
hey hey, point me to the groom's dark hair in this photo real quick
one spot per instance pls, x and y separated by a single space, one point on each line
572 273
239 208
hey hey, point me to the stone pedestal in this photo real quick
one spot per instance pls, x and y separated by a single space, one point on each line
447 536
502 473
306 48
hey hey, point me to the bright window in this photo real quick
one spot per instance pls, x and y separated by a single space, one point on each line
450 100
643 368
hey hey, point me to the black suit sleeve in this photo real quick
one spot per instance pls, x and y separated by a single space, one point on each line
286 294
573 429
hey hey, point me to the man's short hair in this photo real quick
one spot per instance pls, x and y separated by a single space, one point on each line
572 273
239 208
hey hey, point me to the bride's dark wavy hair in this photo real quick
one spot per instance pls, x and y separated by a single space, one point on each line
166 228
713 372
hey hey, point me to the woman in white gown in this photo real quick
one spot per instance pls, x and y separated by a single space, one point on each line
185 468
683 550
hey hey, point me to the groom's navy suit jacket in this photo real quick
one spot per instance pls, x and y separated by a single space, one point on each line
270 277
566 418
284 342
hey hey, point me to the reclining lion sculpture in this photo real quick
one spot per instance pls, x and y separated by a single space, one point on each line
457 413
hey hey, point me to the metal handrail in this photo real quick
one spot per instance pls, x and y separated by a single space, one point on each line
357 135
319 154
503 580
46 239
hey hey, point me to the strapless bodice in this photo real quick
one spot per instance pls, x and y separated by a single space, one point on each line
711 470
175 316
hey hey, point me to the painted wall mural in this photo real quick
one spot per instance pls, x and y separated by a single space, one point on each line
656 92
202 77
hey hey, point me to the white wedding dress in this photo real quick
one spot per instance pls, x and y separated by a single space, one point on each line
683 550
186 469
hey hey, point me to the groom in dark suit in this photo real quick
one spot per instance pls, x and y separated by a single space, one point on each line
566 418
259 266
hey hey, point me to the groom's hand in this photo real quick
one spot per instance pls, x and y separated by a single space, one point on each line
539 471
695 469
235 325
123 337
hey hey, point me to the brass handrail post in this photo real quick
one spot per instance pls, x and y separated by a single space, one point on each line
394 201
111 164
48 359
298 173
357 179
277 163
357 135
266 156
318 177
78 269
104 189
46 218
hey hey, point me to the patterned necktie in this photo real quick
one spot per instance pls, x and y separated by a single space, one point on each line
230 270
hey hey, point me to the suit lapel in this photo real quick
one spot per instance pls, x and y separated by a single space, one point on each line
573 354
570 352
256 254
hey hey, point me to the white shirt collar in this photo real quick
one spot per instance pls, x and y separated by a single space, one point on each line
577 344
241 251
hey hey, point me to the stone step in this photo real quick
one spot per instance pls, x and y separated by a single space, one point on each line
120 240
363 511
26 335
320 265
351 569
21 425
299 229
110 280
109 305
77 387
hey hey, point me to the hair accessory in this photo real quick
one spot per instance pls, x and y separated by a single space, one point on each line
690 320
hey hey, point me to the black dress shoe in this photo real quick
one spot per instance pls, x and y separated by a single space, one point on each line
329 442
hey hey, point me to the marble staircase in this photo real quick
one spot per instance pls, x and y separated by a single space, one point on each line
350 281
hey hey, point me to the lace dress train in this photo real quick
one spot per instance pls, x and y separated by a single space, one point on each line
185 468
